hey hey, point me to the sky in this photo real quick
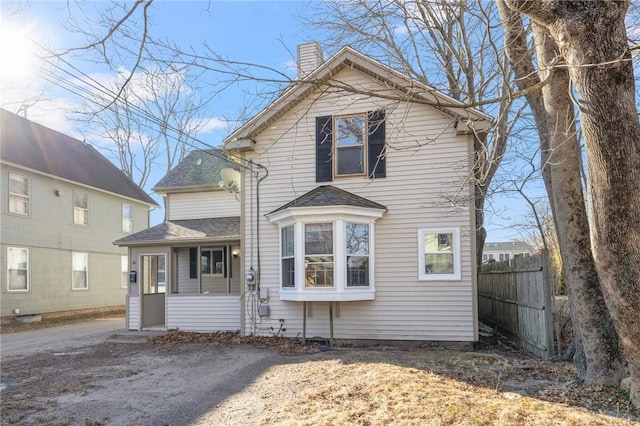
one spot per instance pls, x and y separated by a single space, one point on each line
260 32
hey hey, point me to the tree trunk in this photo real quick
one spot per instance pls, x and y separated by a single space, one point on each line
592 39
561 161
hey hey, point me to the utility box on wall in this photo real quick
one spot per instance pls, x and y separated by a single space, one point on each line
263 310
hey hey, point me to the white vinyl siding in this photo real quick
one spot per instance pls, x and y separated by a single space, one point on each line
198 205
133 312
18 194
427 168
203 313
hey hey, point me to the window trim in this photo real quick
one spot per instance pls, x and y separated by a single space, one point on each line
127 220
456 275
124 270
73 281
222 254
11 195
86 211
364 146
28 269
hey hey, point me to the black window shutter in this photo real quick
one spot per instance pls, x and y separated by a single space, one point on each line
224 262
377 158
324 140
193 262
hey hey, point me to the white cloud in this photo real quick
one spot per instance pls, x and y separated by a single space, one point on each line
207 125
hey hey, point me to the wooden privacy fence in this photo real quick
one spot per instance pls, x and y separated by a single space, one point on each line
515 296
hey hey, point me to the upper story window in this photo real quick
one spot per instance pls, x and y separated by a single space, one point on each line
80 271
17 269
350 145
439 254
80 208
127 218
18 194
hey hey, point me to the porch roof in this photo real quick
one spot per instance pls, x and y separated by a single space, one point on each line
186 231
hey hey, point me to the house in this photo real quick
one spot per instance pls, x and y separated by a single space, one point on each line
355 215
500 251
63 204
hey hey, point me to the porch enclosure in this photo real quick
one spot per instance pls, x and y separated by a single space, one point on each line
516 297
194 289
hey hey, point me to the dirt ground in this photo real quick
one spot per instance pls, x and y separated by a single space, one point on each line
183 378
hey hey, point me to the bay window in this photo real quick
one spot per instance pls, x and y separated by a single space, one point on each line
326 254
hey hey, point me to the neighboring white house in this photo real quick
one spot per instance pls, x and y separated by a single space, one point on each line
505 251
62 204
355 214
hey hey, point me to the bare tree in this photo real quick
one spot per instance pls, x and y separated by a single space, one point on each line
152 123
592 42
448 45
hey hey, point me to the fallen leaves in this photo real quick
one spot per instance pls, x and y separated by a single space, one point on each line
282 345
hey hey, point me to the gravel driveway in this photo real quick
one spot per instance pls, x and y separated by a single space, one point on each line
78 375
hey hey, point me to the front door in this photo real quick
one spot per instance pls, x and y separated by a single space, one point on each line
153 271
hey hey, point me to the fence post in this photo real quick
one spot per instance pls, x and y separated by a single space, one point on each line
549 303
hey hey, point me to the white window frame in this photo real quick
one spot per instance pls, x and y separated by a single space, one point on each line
75 255
27 269
124 271
21 199
333 254
422 274
211 250
284 257
347 254
80 212
127 217
363 146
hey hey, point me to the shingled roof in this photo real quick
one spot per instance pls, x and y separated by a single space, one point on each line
327 195
200 168
30 145
187 230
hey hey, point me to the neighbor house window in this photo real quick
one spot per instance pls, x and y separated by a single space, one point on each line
439 254
80 272
357 251
17 269
350 145
212 261
18 194
287 257
80 208
127 218
318 254
124 271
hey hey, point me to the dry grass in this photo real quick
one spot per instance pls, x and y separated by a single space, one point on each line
392 387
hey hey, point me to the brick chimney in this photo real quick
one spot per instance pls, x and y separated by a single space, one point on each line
310 57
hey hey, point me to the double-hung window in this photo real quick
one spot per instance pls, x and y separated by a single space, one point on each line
18 194
80 208
80 271
287 257
212 261
439 254
318 255
357 251
17 269
127 218
124 274
350 145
